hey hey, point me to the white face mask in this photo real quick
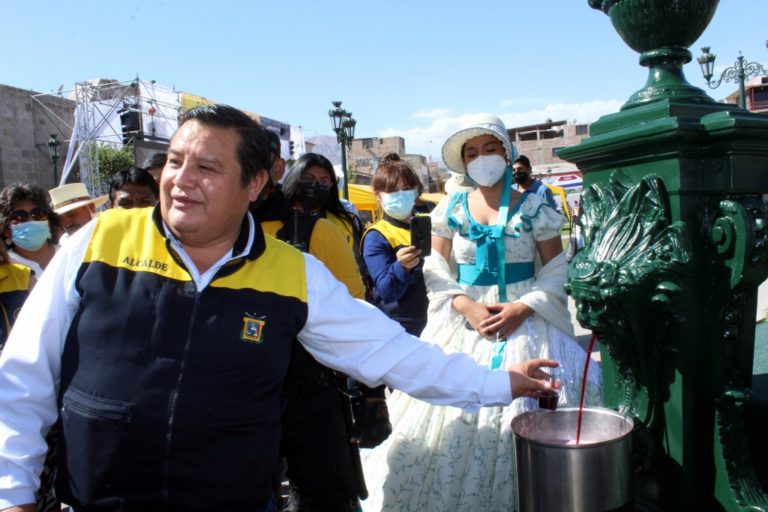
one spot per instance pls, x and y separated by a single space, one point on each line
487 170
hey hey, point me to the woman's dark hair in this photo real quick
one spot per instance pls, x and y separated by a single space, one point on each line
16 192
253 152
390 169
333 203
134 175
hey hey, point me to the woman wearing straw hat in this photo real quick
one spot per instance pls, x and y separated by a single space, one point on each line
502 302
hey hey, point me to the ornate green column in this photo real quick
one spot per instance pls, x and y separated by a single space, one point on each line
676 246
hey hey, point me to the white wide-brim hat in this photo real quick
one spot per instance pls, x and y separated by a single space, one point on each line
458 183
72 196
480 124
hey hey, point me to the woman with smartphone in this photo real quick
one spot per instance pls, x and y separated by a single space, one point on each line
500 300
392 260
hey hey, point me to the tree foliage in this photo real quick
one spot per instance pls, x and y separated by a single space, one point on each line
103 161
112 159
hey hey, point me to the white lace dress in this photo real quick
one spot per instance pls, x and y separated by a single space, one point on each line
443 459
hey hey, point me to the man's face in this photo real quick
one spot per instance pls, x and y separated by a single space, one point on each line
77 218
132 195
521 173
202 199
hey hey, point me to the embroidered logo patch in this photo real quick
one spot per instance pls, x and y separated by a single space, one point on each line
253 330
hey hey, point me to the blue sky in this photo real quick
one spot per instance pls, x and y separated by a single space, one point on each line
403 67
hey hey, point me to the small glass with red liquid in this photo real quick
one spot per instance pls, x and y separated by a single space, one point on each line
549 399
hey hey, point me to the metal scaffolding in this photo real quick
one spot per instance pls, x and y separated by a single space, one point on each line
111 113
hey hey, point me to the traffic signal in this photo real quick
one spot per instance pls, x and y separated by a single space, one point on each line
290 147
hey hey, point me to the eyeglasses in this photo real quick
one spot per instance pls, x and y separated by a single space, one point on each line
20 216
322 185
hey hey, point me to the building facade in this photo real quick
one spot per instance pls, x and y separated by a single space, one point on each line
757 95
419 164
540 142
28 120
364 155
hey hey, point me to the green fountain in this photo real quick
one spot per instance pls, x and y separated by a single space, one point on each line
676 235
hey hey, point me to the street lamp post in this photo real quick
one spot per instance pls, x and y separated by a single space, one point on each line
344 126
53 152
739 72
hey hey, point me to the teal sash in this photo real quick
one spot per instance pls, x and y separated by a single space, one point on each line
470 274
489 256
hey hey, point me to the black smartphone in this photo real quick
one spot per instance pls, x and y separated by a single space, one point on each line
421 234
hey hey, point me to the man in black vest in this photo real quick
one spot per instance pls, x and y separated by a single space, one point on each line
158 341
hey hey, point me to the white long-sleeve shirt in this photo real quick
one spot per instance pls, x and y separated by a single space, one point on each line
341 332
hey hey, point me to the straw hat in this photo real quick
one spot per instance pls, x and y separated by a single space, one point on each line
72 196
480 124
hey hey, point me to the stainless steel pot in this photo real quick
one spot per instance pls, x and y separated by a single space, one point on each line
554 474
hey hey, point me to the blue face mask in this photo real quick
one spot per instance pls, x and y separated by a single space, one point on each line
398 205
30 235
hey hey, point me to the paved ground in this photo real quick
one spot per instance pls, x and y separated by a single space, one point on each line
762 301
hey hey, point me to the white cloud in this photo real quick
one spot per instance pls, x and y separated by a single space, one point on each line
432 114
519 102
428 140
579 112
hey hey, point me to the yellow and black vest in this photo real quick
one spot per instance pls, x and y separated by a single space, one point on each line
14 288
170 396
410 308
397 236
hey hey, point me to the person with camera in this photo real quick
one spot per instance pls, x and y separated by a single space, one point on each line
392 261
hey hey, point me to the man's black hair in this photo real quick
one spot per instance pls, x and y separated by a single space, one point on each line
253 152
157 160
522 159
134 175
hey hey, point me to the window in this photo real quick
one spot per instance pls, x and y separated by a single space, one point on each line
582 129
367 143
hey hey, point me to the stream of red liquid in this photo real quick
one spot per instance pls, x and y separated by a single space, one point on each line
584 386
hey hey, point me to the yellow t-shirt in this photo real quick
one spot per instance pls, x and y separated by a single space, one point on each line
327 244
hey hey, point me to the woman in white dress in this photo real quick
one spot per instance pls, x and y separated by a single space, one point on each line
445 459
